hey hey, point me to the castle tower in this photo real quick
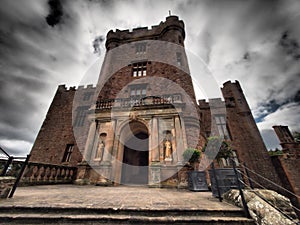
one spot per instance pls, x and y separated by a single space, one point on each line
146 112
55 143
238 127
133 127
286 139
288 164
245 135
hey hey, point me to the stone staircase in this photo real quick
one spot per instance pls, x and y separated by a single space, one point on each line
79 215
88 204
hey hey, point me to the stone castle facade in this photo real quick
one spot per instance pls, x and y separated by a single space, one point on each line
133 127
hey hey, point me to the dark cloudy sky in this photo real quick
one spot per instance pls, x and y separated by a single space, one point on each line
44 43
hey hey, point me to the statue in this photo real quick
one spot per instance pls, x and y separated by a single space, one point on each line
168 149
100 150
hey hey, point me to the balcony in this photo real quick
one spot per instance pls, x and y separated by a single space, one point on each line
148 101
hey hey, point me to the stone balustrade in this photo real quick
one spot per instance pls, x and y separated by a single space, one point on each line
135 102
42 173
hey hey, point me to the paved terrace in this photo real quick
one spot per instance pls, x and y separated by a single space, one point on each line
113 197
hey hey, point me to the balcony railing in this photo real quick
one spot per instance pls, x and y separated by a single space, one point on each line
137 102
42 173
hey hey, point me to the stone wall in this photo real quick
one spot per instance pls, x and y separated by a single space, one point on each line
245 138
287 166
57 129
171 30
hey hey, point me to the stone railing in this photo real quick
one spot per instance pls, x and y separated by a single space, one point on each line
6 184
42 173
135 102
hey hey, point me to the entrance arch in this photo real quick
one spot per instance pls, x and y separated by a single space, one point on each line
135 154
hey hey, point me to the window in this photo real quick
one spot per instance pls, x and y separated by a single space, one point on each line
179 58
80 116
227 162
139 69
87 96
68 152
221 126
179 39
138 91
140 48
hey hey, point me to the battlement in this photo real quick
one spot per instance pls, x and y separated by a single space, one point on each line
63 87
157 32
211 103
230 84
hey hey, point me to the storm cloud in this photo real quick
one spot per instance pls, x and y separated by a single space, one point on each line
47 43
56 12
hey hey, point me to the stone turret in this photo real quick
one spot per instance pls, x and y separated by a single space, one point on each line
171 30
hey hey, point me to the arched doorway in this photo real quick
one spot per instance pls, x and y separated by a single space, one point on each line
135 155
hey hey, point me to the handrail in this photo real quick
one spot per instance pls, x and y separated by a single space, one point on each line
272 183
217 182
5 152
248 176
20 174
19 177
259 195
245 206
9 161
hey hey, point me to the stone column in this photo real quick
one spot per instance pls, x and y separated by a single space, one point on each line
105 168
174 154
179 139
109 142
154 175
84 167
90 142
154 140
114 152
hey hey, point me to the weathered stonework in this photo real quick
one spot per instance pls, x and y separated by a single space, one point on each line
262 206
245 138
288 165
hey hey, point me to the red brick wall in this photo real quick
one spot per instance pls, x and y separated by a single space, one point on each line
245 136
57 130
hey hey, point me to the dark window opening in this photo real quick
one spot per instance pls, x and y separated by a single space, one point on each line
179 58
207 133
68 153
139 69
179 39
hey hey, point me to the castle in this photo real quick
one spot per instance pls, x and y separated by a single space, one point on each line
133 127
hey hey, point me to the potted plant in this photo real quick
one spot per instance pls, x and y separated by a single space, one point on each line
196 179
222 179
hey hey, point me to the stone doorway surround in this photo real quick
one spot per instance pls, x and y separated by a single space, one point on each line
133 152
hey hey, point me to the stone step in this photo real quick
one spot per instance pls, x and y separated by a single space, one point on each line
63 215
120 211
119 219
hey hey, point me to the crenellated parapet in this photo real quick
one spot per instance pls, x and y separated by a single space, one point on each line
89 87
171 30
